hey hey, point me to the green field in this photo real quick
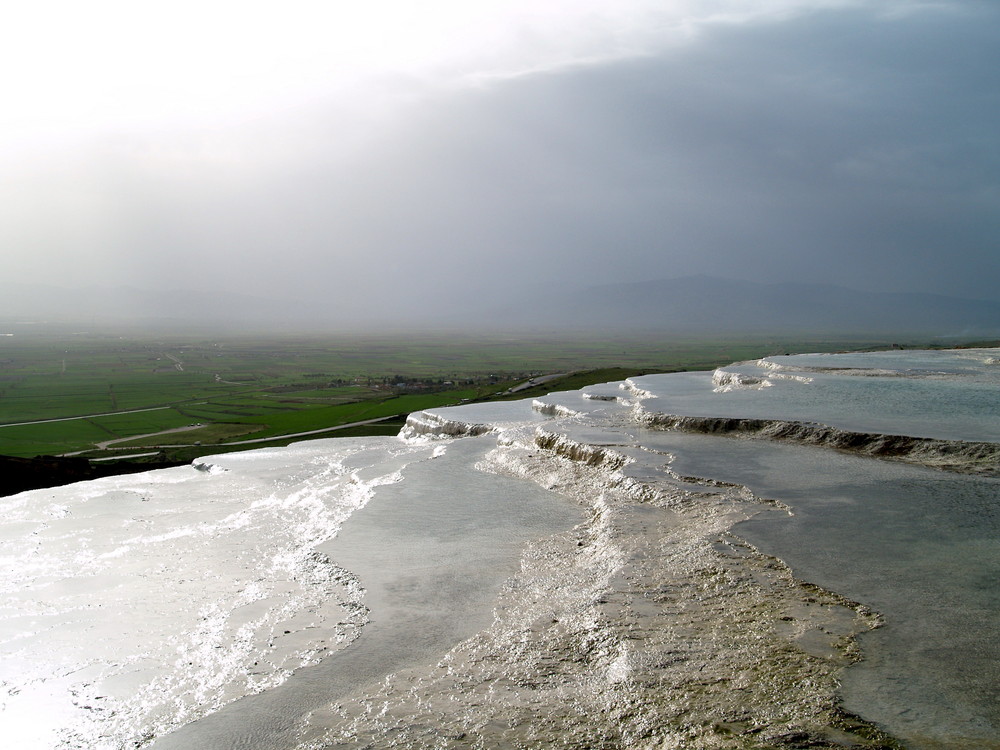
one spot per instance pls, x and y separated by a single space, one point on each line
63 392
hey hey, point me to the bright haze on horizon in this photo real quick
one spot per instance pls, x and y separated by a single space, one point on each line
399 154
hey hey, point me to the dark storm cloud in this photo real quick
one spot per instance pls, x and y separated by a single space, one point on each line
835 149
844 146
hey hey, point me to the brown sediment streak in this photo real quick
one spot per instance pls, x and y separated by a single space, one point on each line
967 457
648 625
592 455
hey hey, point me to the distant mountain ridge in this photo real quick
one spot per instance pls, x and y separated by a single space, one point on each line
121 304
688 305
704 303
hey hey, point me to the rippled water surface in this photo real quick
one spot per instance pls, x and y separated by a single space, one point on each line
920 546
947 394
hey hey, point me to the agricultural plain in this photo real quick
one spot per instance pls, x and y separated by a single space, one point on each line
108 395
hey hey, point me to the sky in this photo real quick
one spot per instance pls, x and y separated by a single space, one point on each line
401 154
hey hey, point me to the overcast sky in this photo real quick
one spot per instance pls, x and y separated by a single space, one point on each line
370 152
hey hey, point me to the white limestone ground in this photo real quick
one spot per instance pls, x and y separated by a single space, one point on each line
650 625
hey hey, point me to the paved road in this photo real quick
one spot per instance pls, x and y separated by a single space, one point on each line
85 416
312 432
106 444
273 438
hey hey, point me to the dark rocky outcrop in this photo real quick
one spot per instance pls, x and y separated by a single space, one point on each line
20 474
